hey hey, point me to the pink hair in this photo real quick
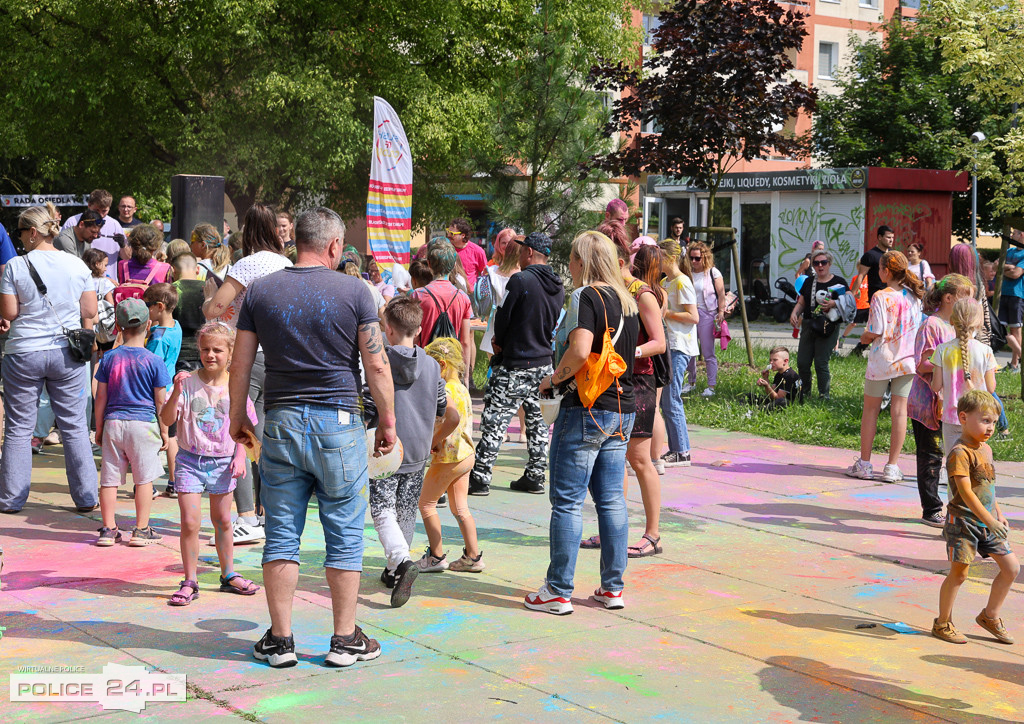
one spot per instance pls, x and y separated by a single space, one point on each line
616 205
637 243
501 242
961 260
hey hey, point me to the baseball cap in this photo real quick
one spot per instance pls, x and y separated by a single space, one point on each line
131 313
538 241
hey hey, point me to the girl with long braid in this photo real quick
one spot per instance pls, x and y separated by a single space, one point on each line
893 320
961 364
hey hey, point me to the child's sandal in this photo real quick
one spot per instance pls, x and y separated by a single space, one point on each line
184 599
646 547
248 587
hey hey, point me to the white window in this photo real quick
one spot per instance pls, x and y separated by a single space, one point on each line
651 23
828 59
834 2
651 126
869 4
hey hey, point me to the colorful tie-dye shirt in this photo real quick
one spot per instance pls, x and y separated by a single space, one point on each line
203 418
459 445
948 361
894 316
921 401
131 374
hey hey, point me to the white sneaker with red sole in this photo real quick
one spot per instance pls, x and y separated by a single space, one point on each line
609 599
545 600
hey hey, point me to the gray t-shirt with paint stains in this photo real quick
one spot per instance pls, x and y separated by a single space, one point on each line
307 319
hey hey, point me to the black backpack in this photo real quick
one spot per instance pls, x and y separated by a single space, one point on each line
443 326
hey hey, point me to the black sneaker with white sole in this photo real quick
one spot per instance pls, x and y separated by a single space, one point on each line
405 574
442 502
278 651
525 485
358 647
387 578
935 520
676 460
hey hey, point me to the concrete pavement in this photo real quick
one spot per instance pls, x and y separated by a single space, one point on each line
775 600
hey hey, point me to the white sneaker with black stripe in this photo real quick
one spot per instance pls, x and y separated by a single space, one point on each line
243 532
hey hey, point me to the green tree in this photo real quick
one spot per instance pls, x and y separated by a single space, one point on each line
893 109
717 87
275 95
981 42
548 120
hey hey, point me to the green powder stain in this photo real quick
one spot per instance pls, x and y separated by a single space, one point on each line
632 681
286 701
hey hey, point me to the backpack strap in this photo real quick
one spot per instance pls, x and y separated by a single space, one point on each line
156 268
122 270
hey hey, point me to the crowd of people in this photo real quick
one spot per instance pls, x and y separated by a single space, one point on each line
286 350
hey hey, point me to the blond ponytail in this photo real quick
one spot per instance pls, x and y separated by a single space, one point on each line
40 219
967 318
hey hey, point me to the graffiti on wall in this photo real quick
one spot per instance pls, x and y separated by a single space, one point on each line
842 230
904 218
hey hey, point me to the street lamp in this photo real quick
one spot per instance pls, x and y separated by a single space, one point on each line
976 138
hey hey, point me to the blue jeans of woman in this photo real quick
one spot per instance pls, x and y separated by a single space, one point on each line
672 404
588 453
25 374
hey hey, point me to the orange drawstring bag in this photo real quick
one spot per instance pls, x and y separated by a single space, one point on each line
602 369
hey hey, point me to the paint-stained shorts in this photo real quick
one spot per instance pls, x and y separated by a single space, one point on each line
202 474
965 539
134 443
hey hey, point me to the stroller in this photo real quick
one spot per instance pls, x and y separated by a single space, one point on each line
782 308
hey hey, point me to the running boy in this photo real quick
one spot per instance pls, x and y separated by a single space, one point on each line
208 460
974 522
132 383
165 342
420 394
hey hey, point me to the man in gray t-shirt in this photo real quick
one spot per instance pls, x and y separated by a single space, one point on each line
314 325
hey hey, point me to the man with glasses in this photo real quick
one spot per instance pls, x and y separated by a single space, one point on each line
111 238
472 256
126 212
78 238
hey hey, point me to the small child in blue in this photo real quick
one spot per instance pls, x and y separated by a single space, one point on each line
208 459
131 385
165 342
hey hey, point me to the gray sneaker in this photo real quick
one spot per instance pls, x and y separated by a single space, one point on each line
143 537
108 537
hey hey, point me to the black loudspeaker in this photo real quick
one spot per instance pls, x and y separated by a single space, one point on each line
194 200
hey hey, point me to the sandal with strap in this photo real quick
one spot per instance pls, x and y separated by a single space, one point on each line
592 543
248 588
184 599
647 546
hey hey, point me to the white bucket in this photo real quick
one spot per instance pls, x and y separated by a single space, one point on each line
549 407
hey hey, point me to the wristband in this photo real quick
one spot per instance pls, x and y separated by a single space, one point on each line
639 352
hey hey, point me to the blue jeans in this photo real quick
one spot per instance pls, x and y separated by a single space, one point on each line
25 374
1002 423
583 456
306 448
672 404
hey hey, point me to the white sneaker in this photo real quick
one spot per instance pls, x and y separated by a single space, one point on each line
659 465
243 532
861 469
708 392
429 564
687 389
608 599
892 473
548 602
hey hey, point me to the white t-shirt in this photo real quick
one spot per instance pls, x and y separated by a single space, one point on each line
378 299
245 272
102 285
37 327
681 337
499 285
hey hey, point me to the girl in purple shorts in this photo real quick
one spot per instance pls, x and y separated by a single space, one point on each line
208 460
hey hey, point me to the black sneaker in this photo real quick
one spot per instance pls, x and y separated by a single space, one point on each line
387 578
278 651
169 491
442 502
525 485
935 520
404 576
478 488
358 648
676 460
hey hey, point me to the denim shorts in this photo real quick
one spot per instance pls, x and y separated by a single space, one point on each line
202 474
966 539
309 448
130 443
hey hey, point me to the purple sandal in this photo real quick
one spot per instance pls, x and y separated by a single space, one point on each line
591 543
248 587
646 547
184 599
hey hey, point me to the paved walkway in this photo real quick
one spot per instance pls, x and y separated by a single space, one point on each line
771 603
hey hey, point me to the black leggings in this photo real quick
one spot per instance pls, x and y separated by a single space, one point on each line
929 463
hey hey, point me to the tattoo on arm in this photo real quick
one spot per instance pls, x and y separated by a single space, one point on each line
374 342
564 372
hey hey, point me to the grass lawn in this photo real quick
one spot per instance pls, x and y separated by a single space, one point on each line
833 423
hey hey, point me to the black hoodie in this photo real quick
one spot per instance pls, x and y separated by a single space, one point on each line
524 324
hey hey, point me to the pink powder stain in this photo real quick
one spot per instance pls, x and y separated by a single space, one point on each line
721 594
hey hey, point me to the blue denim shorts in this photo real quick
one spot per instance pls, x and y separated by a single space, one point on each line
309 448
202 474
966 539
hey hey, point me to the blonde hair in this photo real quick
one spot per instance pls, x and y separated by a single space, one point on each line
705 253
40 219
967 318
209 238
956 284
973 400
448 351
600 262
176 248
217 329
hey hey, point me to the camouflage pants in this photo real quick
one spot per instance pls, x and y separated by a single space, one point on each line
506 391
